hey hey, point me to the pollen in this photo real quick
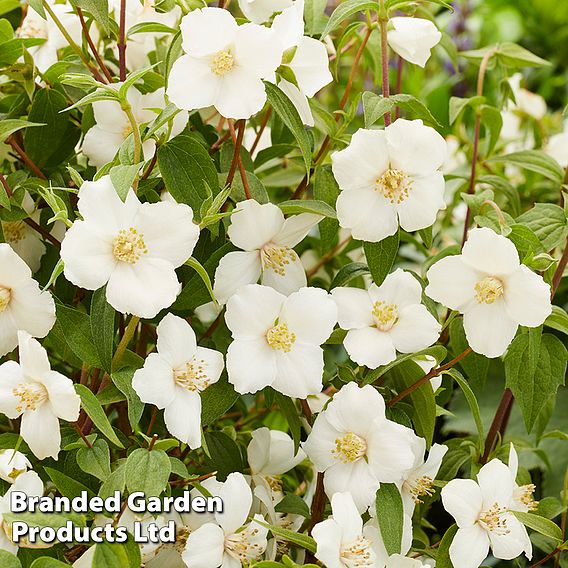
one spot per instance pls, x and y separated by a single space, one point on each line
358 554
31 395
14 231
394 185
276 258
385 315
242 547
349 448
421 487
492 519
5 297
192 376
488 290
280 337
129 246
222 63
524 495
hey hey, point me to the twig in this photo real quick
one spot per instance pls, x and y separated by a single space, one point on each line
25 158
92 45
80 432
121 45
499 423
237 141
261 129
383 21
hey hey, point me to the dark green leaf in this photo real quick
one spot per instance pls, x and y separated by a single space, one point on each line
147 472
226 457
102 327
123 380
216 400
390 515
349 272
327 190
95 460
381 256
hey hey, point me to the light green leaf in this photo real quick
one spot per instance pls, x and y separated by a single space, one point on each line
375 106
535 161
11 125
299 539
558 320
95 460
327 190
123 381
346 9
458 104
295 206
390 515
147 471
540 525
117 555
548 222
99 9
122 177
66 485
8 560
150 27
198 267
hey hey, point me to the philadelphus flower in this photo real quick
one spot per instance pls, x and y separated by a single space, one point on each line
23 306
112 127
494 292
341 540
413 39
557 147
174 377
385 319
224 64
266 239
356 447
277 339
28 483
483 514
13 464
124 246
523 500
34 26
39 395
260 11
389 177
229 542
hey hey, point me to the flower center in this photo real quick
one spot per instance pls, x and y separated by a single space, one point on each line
31 395
240 545
192 376
524 495
5 297
280 337
488 290
14 231
276 258
31 29
358 554
274 482
129 246
492 520
421 487
222 63
394 185
350 448
385 315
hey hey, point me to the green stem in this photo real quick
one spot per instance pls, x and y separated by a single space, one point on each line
128 335
127 108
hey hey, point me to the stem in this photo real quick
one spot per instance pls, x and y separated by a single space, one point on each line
327 257
238 141
92 45
152 442
383 21
128 335
127 108
80 432
399 68
433 373
211 329
73 45
499 423
25 158
219 142
559 272
121 45
261 130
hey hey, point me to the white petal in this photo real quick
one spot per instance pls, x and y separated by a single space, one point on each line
14 270
300 372
311 66
299 100
254 225
327 535
399 288
292 280
496 485
452 283
212 362
271 452
101 146
33 357
110 117
469 547
311 314
512 544
183 417
207 31
354 308
489 329
413 38
370 347
346 515
463 500
205 547
40 431
415 329
489 252
321 443
259 11
241 94
176 340
10 378
154 383
287 26
65 402
367 213
355 477
237 496
236 269
257 50
251 365
296 229
527 297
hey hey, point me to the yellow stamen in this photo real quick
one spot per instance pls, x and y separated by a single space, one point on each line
488 290
421 487
385 315
14 231
280 337
276 258
129 246
394 185
359 554
192 376
222 63
31 395
350 448
524 495
5 297
240 546
492 519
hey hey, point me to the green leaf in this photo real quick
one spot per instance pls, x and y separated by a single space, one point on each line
475 366
102 327
458 104
326 190
150 27
188 169
7 6
346 9
375 106
123 177
96 413
8 560
123 381
225 455
11 125
293 504
558 320
540 525
349 272
47 562
288 408
516 56
535 161
548 222
67 486
256 187
493 121
197 266
96 460
443 556
381 256
287 112
117 555
147 472
295 206
525 240
535 367
315 17
299 539
390 515
99 9
115 482
216 400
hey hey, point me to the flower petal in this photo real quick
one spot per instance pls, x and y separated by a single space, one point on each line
207 31
496 484
33 357
327 535
415 329
176 340
300 372
399 288
236 269
237 496
514 543
251 365
370 347
205 547
490 253
40 431
463 500
311 66
292 280
183 417
253 224
10 377
354 308
241 94
257 51
299 100
346 515
154 383
470 547
355 477
65 402
527 297
296 228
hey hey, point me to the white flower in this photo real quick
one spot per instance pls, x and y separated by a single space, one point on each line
112 127
527 103
427 363
419 481
39 395
260 11
34 26
341 539
390 176
557 147
267 240
413 38
224 64
492 289
385 319
22 304
13 464
356 447
277 339
264 142
271 453
29 483
229 541
125 246
399 561
523 500
482 512
309 62
174 377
